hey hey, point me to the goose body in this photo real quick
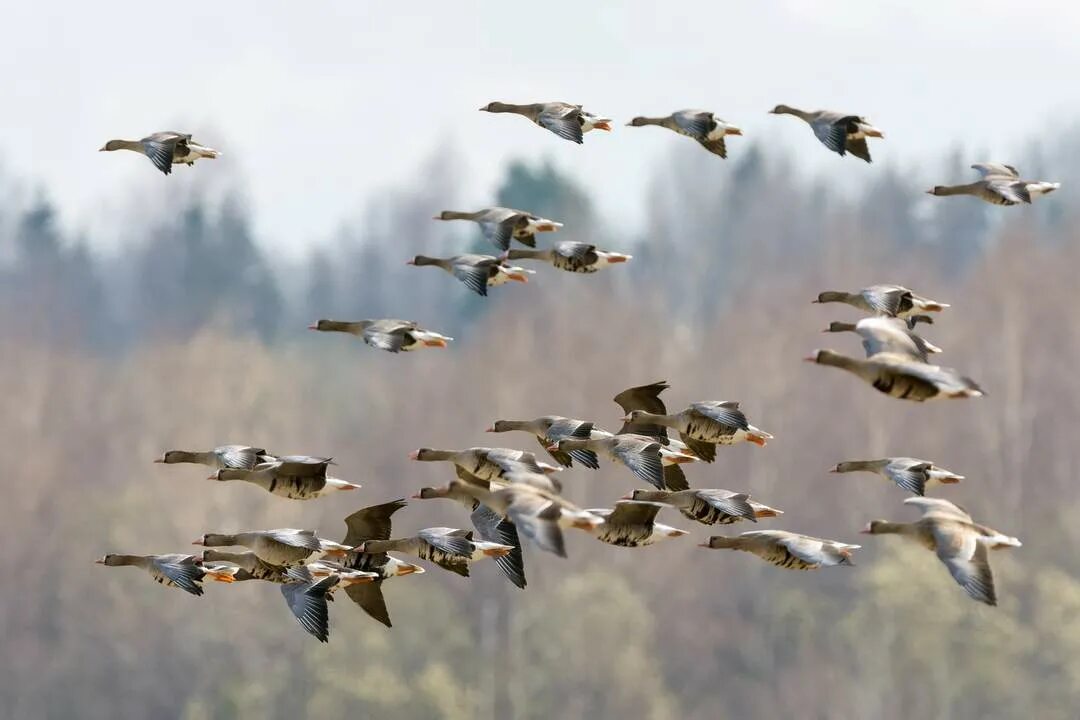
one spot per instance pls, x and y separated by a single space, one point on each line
900 377
243 457
567 121
887 300
638 453
571 256
839 132
909 474
1000 185
787 549
296 477
550 429
706 424
632 523
500 224
960 543
701 125
284 546
387 334
478 272
165 149
175 570
710 507
887 335
486 463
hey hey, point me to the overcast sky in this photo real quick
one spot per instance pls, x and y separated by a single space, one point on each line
318 103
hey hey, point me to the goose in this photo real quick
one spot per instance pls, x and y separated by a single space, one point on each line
673 453
179 571
638 453
960 543
500 224
249 565
704 425
889 335
282 546
888 300
567 121
489 527
910 474
243 457
572 256
306 598
900 377
837 131
787 549
373 523
478 272
701 125
1000 185
386 334
550 429
165 149
486 463
632 523
296 477
538 515
709 507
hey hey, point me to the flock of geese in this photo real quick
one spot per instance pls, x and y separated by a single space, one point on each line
511 494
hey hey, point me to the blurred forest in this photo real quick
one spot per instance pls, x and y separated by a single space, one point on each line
191 335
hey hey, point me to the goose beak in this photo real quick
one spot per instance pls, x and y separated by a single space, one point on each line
810 359
929 192
313 326
705 545
414 455
410 262
734 131
628 496
602 126
100 561
625 418
159 460
212 477
101 149
517 277
198 542
490 429
866 530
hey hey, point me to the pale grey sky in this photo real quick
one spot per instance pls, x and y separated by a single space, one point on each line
317 104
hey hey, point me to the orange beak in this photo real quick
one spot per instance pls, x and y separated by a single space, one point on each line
414 455
733 131
602 126
517 277
435 343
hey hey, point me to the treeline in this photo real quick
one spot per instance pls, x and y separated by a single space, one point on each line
186 340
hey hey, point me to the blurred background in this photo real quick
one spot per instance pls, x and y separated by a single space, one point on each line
141 313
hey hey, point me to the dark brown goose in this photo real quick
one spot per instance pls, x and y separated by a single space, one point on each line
567 121
910 474
704 425
888 300
1000 185
283 546
296 477
632 523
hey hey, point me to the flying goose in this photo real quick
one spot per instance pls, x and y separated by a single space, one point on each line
1000 185
572 256
373 523
296 477
960 543
704 425
900 377
673 452
243 457
500 224
787 549
478 272
179 571
709 507
490 527
839 132
283 546
165 149
889 335
888 300
910 474
632 523
550 429
567 121
486 463
387 334
539 516
250 566
701 125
